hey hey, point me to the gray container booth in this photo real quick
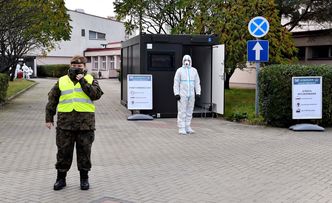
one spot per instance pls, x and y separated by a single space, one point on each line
161 56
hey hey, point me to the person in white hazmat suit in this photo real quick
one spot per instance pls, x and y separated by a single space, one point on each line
30 71
25 69
186 88
17 69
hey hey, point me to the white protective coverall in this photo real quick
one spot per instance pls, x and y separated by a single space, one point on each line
18 67
25 69
186 83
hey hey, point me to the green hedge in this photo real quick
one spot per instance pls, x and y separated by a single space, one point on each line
4 80
56 70
275 84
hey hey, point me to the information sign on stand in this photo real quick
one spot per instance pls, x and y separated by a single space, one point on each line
307 97
139 95
307 101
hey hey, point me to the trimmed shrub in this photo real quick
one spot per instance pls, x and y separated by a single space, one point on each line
275 86
4 80
94 75
119 74
56 70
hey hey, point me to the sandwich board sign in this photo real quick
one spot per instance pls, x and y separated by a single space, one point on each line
139 92
307 97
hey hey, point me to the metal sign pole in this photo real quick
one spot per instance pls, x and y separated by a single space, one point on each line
257 90
258 51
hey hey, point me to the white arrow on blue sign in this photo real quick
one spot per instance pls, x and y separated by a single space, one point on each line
258 50
258 26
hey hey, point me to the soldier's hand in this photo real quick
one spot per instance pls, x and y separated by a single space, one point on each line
49 125
79 77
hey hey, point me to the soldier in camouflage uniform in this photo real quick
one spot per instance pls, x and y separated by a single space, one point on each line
72 97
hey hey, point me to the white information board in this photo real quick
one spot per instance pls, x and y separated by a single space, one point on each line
307 97
139 92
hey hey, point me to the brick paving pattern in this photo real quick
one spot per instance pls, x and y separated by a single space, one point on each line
148 162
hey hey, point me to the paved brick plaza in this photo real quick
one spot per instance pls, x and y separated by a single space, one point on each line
149 162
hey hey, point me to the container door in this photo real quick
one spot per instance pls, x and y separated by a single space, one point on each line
218 57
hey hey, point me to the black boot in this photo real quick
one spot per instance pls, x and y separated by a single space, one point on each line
85 184
84 180
60 181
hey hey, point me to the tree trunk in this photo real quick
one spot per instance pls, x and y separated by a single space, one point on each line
227 79
12 73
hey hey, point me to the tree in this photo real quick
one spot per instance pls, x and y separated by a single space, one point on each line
319 11
151 16
229 20
28 25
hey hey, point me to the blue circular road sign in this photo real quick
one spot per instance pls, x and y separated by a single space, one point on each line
258 26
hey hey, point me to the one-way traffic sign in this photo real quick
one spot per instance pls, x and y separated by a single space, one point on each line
258 50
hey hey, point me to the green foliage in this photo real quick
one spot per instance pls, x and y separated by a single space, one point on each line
239 116
149 16
240 106
119 74
94 75
56 70
30 24
275 83
228 19
297 11
3 87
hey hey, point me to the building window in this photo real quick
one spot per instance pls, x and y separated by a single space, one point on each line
103 63
161 61
83 32
88 58
96 35
95 63
101 36
111 61
321 52
301 53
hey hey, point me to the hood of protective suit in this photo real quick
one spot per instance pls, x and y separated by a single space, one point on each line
186 61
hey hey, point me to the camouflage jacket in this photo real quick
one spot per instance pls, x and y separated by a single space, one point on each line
73 120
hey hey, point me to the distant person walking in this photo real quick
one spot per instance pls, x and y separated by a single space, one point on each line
73 97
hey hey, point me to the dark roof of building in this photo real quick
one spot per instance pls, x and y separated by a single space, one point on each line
312 33
119 42
102 49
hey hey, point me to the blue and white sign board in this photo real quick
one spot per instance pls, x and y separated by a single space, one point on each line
258 50
307 97
139 92
258 26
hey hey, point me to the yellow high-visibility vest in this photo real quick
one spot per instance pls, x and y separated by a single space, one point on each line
72 96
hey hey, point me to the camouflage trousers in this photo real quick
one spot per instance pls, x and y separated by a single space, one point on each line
65 141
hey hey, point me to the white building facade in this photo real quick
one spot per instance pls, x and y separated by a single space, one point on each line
88 31
104 62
